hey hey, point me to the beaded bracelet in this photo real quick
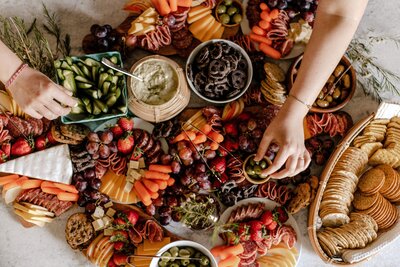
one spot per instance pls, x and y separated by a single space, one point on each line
15 75
301 101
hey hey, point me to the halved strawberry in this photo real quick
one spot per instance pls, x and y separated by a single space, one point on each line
120 259
132 216
119 245
137 153
280 215
267 217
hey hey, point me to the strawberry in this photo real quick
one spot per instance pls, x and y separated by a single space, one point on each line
280 215
256 235
22 147
243 229
255 225
230 145
6 148
231 238
218 165
3 156
126 124
41 142
125 144
136 154
224 178
50 138
119 245
119 236
120 259
231 129
132 216
111 263
267 217
119 221
244 116
272 226
117 131
222 152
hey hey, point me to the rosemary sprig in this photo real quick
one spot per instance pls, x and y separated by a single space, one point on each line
373 78
198 214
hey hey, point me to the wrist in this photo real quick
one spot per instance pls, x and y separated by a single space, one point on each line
292 108
9 70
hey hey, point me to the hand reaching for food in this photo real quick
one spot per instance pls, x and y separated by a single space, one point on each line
287 133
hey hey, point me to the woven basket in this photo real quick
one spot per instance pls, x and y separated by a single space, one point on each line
314 207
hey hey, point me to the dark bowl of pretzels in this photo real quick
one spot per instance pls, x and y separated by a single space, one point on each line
219 71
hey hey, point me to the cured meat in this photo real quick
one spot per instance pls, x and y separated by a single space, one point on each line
156 39
254 264
330 123
150 230
51 202
246 212
248 261
278 193
235 170
285 234
135 236
5 136
19 127
250 249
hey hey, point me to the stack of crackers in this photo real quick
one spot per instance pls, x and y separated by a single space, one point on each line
358 233
72 134
272 87
378 187
381 140
338 195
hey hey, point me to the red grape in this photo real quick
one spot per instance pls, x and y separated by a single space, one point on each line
165 220
81 201
89 174
257 133
176 167
169 20
210 154
93 137
92 147
76 177
186 180
185 153
201 177
187 162
206 185
151 210
291 13
96 155
164 211
81 185
104 151
106 137
308 16
166 159
95 183
172 201
251 125
90 208
176 216
158 202
200 168
180 145
243 142
113 147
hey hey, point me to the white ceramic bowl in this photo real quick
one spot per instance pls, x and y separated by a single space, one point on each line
185 243
193 55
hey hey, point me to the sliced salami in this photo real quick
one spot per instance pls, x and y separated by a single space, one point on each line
250 249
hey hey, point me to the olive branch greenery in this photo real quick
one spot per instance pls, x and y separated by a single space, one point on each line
30 44
373 78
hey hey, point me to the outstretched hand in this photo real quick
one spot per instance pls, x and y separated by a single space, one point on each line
39 97
288 134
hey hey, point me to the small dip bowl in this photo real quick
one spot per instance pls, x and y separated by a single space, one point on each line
252 169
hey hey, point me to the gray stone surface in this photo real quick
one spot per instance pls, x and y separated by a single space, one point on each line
46 247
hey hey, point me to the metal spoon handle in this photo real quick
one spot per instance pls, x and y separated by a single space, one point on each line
111 65
162 257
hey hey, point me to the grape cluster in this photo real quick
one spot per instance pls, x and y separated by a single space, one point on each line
103 38
305 8
320 149
101 144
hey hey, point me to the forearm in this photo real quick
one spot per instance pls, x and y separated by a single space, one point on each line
335 24
9 63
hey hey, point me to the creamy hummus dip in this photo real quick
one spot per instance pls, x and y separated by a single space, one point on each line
160 82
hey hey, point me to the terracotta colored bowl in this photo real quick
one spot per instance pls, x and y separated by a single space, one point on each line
353 80
252 180
236 3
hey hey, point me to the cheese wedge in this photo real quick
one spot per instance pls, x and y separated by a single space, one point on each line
219 33
212 31
197 10
149 246
197 27
197 17
119 187
35 222
32 211
27 216
206 29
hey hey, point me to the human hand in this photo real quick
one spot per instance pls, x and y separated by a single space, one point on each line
288 134
38 96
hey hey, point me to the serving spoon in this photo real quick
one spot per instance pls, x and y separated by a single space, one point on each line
111 65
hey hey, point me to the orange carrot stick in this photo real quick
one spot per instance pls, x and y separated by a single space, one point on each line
231 250
214 146
8 178
189 135
154 195
52 190
230 261
156 175
260 39
274 14
178 138
162 7
216 137
142 192
28 184
150 185
160 168
258 30
265 25
66 196
200 138
47 184
269 51
15 183
265 16
264 7
173 5
185 3
66 187
162 184
206 128
216 251
170 181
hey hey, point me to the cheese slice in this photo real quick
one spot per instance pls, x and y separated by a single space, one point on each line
219 33
197 10
119 189
52 164
197 27
206 29
32 211
150 246
27 216
197 2
197 17
212 31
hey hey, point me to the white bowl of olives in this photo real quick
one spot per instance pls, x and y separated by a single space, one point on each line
229 12
184 253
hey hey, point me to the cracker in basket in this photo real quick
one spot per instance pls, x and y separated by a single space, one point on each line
380 121
394 124
371 148
391 179
335 219
371 181
363 139
362 202
395 119
274 72
382 156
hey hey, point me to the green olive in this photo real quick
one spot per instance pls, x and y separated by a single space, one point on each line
221 9
321 95
204 261
191 265
185 262
346 81
166 256
338 70
329 98
162 263
224 18
252 162
174 251
322 103
232 10
331 79
191 250
198 255
228 2
263 164
258 170
237 18
250 171
336 93
184 253
174 265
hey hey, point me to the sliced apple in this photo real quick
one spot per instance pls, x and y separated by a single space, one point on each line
33 207
99 247
32 211
104 253
27 216
90 250
35 222
11 194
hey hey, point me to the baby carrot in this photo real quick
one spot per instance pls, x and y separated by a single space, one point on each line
274 14
206 128
66 196
170 181
260 39
200 138
258 30
264 6
265 16
230 261
265 25
160 168
269 51
8 178
216 137
156 175
142 192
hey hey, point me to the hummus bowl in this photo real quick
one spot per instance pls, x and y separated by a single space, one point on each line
162 94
